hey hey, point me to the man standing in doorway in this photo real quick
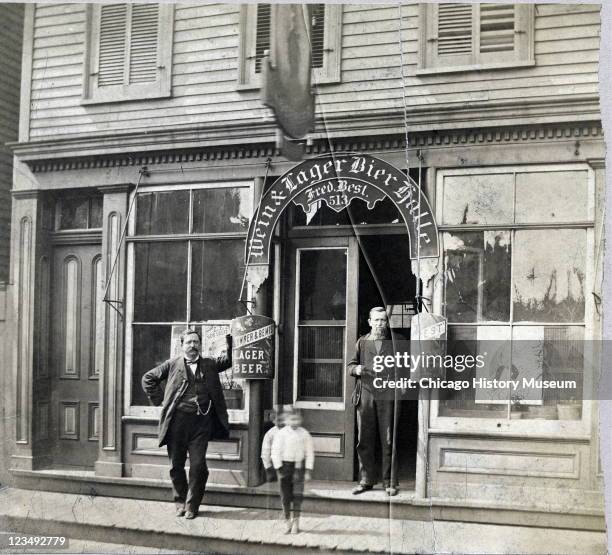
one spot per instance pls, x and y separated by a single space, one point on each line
193 413
374 415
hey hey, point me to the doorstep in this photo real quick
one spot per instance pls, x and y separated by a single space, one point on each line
245 530
333 498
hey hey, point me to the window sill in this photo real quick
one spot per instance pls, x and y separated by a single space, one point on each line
116 98
475 67
255 86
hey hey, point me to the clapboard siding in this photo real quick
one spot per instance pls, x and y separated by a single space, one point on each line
205 68
11 25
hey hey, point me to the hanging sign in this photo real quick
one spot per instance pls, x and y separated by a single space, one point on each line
253 347
337 179
428 337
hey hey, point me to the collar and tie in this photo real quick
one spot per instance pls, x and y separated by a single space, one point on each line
194 371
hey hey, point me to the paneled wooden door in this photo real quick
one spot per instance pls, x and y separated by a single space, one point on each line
76 354
319 338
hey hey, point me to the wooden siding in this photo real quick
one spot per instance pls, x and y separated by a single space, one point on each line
205 69
11 26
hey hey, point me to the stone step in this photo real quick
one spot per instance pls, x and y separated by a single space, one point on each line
246 530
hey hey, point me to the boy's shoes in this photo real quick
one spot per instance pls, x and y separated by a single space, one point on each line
295 528
361 488
288 525
180 511
190 515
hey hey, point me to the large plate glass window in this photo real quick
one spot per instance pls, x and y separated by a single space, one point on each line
186 249
515 269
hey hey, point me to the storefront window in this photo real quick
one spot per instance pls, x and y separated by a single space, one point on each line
549 272
160 285
478 276
518 293
188 275
221 210
161 213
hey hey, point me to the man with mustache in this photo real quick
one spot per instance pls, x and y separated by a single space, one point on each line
193 413
374 415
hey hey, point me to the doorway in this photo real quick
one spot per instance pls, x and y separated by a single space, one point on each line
76 355
386 279
332 284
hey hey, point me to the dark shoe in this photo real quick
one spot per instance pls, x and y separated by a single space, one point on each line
180 511
361 488
190 515
391 491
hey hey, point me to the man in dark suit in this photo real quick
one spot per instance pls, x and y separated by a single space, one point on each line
374 415
193 413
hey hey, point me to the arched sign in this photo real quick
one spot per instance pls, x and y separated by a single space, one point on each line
337 179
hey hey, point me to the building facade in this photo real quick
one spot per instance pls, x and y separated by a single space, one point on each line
143 153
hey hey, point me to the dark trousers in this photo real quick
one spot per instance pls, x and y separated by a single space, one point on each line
374 422
291 485
188 433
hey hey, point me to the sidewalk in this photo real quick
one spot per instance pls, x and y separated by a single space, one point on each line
238 530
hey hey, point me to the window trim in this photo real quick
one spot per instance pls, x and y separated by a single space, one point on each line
162 88
428 61
568 429
236 416
330 73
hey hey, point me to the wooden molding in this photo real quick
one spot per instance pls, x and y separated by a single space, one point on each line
255 137
181 153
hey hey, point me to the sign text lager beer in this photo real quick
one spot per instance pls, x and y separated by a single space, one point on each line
253 347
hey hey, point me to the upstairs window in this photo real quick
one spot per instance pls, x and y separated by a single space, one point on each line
459 37
129 52
325 39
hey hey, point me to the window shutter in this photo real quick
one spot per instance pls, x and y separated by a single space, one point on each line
496 27
262 35
143 43
317 34
454 29
326 42
111 57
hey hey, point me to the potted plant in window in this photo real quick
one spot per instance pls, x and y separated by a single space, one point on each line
517 407
232 390
569 409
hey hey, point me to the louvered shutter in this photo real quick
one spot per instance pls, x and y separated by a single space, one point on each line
129 52
262 35
455 29
317 35
143 43
497 27
488 34
111 48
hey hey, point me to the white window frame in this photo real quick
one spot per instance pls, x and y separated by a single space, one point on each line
236 416
316 405
332 56
430 63
161 88
569 429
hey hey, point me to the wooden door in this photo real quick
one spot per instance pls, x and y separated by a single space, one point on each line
76 354
319 337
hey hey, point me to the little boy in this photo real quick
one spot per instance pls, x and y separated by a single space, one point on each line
266 444
293 460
